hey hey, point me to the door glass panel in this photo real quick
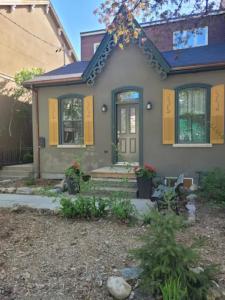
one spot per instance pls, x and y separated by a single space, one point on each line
128 96
132 120
123 120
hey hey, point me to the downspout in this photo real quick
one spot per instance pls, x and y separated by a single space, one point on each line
37 134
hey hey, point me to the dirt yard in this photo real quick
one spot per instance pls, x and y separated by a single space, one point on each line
47 257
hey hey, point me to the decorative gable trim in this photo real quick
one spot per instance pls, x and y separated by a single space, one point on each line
98 61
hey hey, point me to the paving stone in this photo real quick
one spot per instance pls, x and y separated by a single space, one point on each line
10 190
24 191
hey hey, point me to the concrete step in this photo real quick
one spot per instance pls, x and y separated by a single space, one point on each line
22 167
16 171
113 172
114 182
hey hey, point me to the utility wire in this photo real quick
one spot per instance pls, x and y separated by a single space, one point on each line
29 32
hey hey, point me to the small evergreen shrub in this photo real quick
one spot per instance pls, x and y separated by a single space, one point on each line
123 210
213 186
164 260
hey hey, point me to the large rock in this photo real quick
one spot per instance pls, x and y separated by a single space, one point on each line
138 294
24 191
131 273
62 185
10 190
118 287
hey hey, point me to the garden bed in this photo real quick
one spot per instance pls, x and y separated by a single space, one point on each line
47 257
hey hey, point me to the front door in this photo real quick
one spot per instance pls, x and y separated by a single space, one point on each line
127 118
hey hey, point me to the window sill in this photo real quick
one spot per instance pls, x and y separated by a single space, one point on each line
71 146
192 145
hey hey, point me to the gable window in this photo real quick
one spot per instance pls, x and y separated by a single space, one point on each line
192 115
95 46
71 115
190 38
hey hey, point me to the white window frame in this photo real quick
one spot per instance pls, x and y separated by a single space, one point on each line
95 46
194 32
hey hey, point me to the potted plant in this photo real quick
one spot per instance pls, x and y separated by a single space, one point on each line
73 174
144 177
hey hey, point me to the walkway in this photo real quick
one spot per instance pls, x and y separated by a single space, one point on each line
43 202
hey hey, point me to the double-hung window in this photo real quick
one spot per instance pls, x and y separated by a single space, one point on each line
193 115
71 115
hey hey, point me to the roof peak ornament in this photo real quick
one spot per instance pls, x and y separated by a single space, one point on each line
110 42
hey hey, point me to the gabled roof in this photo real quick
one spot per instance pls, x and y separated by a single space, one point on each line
49 9
210 57
107 45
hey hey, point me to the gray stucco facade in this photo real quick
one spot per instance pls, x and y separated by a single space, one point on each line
127 68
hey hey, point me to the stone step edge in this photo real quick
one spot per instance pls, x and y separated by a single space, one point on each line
112 175
99 179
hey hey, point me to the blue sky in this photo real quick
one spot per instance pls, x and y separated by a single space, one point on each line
77 16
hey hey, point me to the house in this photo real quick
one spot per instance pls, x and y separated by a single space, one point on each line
160 100
31 36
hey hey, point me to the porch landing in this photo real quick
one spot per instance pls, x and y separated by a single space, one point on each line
116 172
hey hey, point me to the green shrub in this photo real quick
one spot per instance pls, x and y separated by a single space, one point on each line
28 157
213 186
123 209
147 217
163 259
172 290
83 207
30 181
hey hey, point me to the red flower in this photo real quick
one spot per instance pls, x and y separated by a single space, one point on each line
150 168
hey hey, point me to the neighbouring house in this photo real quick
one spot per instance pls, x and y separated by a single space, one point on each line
31 36
160 100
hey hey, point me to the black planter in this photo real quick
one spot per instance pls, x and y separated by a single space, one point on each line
73 185
86 178
144 187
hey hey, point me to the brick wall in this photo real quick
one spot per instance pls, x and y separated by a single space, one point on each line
162 34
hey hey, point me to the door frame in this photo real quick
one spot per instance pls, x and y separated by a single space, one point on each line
114 121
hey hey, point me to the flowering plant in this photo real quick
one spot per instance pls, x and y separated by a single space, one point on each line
74 170
147 171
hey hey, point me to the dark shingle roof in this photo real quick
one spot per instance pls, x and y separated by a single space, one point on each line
204 55
74 68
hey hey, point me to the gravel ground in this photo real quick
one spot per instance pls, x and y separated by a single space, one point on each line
47 257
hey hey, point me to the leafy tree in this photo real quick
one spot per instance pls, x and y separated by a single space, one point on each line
20 97
118 15
19 92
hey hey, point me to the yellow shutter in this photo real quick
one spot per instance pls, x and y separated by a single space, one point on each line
88 120
168 116
217 115
53 111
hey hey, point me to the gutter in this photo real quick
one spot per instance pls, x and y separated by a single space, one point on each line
52 82
37 134
197 68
